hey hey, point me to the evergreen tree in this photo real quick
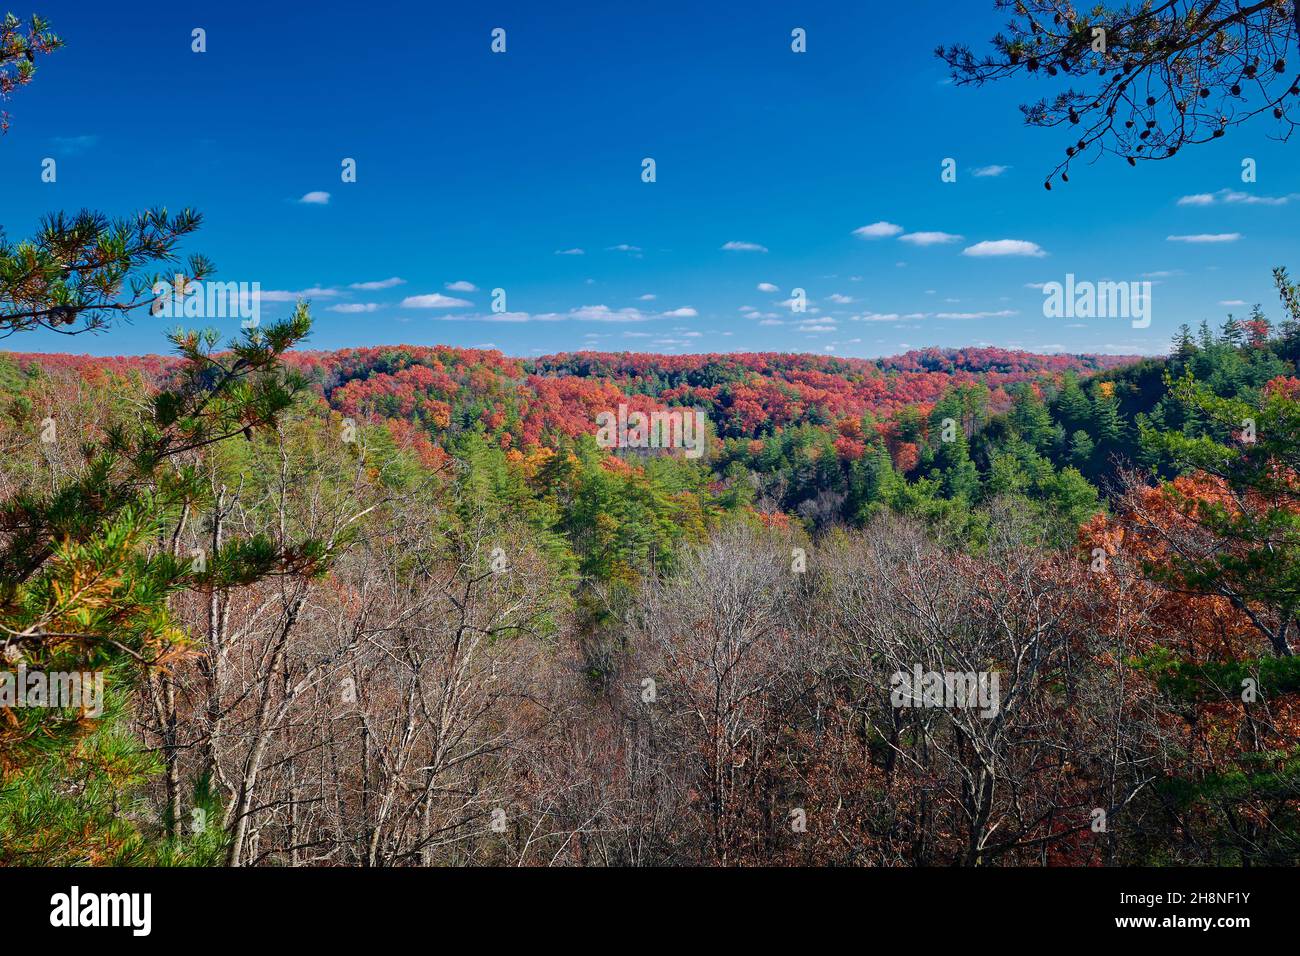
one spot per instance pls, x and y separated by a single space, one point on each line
1231 333
960 476
1205 336
1072 408
1082 449
1032 420
1107 427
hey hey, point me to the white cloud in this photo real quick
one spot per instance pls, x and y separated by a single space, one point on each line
648 297
735 246
767 287
624 247
985 171
283 295
1005 247
683 313
316 198
380 284
1207 237
1232 302
929 238
353 307
434 300
974 315
839 299
460 285
1250 199
1236 197
771 322
878 230
603 313
571 252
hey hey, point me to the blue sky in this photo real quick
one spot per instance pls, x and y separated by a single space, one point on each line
478 171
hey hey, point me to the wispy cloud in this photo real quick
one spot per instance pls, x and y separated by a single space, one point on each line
768 287
735 246
460 285
878 230
929 238
1236 197
817 326
1005 247
315 198
595 313
353 307
380 284
683 313
1207 237
434 300
571 252
985 171
648 297
975 315
889 317
285 295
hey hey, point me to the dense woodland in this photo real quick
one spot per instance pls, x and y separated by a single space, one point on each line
397 606
422 618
